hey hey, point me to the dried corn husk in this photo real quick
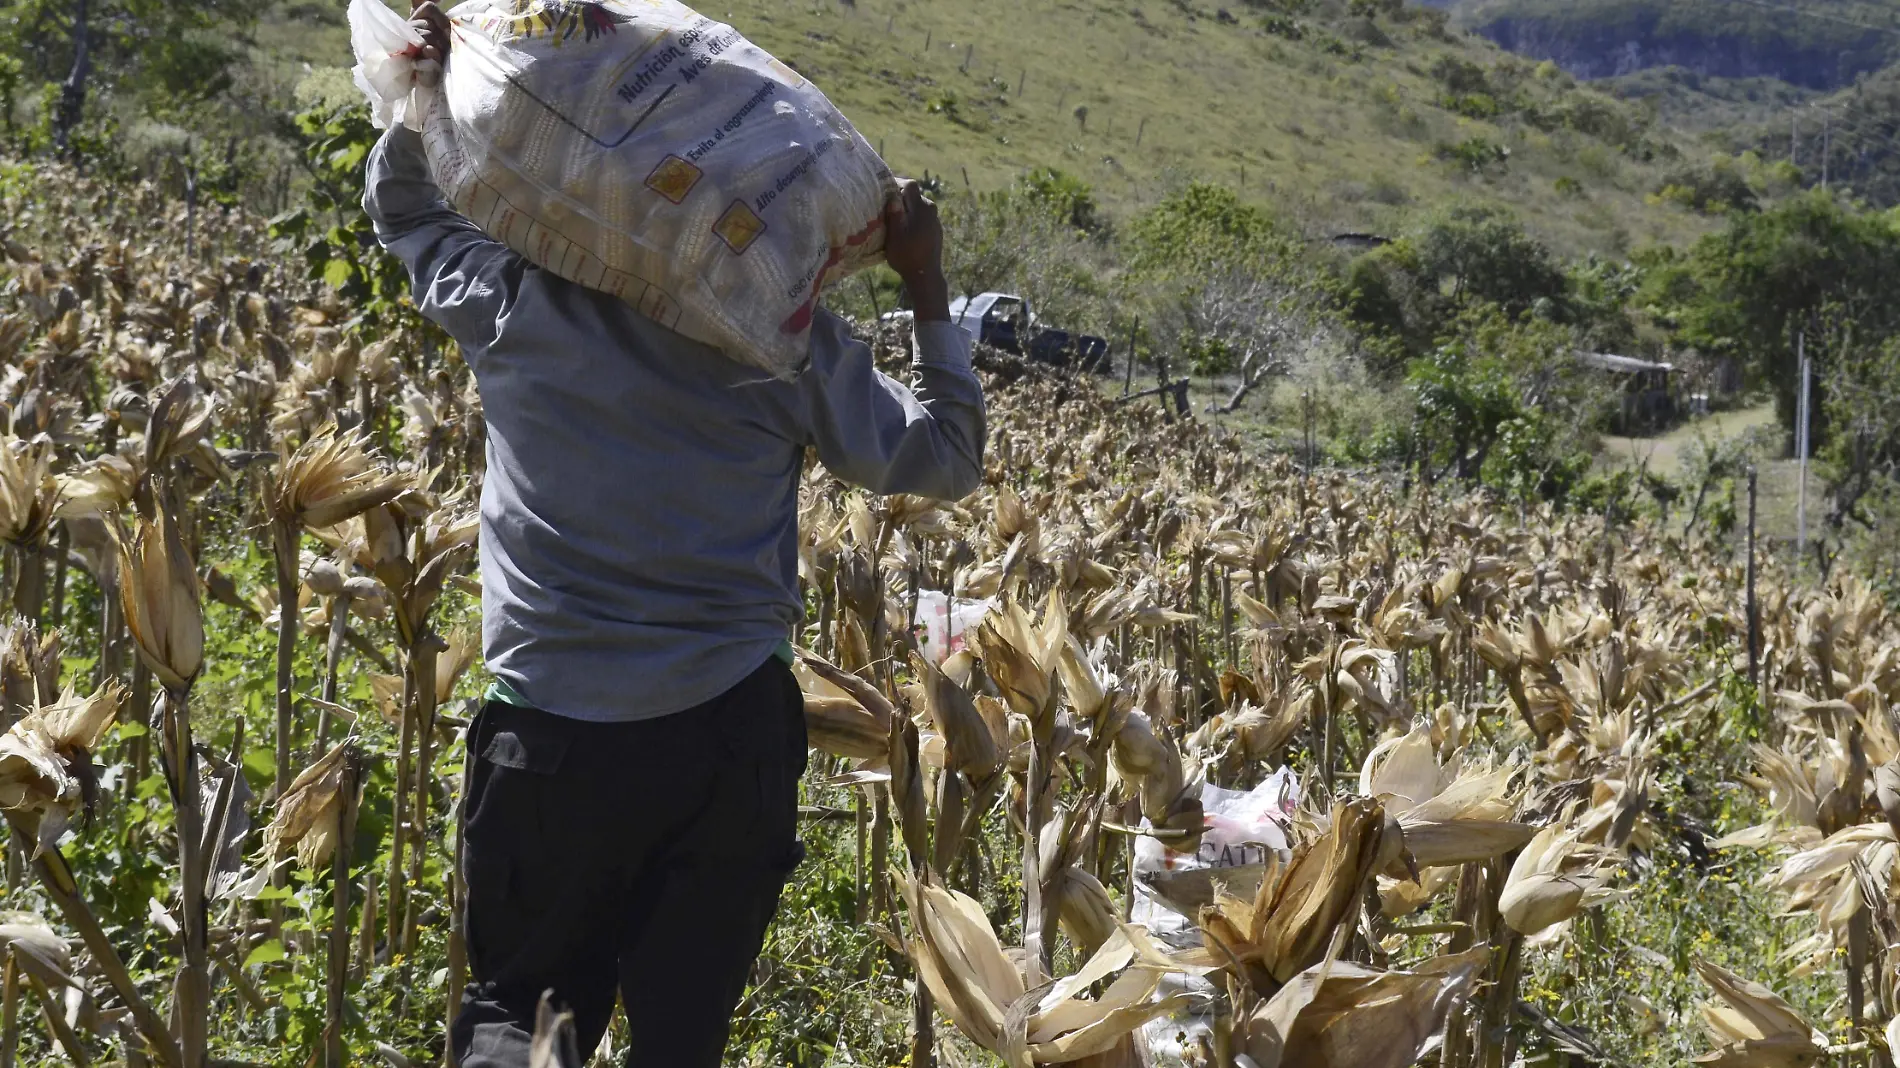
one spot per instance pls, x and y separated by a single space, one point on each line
1169 799
38 784
1449 816
159 588
974 982
844 715
330 479
1021 657
27 932
1553 879
29 494
1289 923
99 487
1085 909
452 661
1753 1027
307 813
180 416
970 747
1338 1014
1404 896
1887 793
553 1042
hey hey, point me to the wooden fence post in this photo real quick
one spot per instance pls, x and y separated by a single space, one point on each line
1128 377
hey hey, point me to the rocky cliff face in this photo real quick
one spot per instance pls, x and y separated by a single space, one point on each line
1607 38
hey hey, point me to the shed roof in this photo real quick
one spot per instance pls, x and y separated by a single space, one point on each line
1627 365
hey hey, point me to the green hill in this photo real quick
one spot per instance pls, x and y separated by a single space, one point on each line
1338 118
1849 139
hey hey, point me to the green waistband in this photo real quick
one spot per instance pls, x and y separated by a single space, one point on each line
504 693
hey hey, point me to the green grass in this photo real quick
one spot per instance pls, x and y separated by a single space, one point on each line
1778 485
1335 131
1666 454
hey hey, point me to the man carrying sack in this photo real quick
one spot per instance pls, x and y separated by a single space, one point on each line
631 814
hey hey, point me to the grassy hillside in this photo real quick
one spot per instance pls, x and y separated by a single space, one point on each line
1817 44
1704 104
1339 122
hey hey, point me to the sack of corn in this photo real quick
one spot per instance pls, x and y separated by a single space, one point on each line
641 149
1171 888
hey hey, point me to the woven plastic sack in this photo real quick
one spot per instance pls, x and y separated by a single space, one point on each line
948 621
1242 827
641 149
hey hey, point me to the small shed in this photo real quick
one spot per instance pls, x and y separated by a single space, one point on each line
1649 398
1361 242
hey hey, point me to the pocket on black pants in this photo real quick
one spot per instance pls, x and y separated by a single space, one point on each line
762 730
512 812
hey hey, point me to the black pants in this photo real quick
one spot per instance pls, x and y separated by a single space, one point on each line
645 858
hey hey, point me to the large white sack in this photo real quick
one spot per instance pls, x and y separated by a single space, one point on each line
644 150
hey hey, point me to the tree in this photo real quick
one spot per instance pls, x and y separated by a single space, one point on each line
1023 240
1412 290
1203 228
76 45
1860 403
332 233
1065 196
1246 324
1226 286
1716 187
1501 401
1481 253
1763 282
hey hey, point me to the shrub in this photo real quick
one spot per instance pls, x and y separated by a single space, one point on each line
1460 76
1714 188
1474 155
1064 195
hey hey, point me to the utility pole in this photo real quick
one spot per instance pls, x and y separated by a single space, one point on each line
1794 138
1827 142
1802 420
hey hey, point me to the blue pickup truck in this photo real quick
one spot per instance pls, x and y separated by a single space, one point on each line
1005 321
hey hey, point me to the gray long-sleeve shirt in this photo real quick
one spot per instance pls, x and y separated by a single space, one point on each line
639 527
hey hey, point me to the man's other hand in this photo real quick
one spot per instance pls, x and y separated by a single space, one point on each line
913 246
433 25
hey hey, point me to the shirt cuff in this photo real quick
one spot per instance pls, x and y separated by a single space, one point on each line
941 345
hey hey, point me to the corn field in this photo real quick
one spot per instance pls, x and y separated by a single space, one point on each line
239 528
